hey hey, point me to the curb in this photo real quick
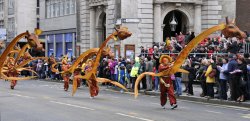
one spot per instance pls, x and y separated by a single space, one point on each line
205 100
182 97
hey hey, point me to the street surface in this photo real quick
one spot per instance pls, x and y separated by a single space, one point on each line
46 101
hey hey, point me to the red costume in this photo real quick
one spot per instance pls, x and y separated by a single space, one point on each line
166 90
93 84
77 72
166 87
65 66
12 71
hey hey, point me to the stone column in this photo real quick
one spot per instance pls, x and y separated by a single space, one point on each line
54 40
46 46
63 45
157 23
92 27
197 19
74 44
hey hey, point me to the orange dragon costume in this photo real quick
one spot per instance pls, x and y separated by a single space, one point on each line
10 65
90 75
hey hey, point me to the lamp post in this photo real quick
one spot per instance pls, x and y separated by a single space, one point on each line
173 23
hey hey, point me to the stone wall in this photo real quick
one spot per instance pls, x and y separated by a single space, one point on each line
146 25
211 13
242 13
85 27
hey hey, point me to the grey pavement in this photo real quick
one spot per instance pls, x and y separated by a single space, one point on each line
196 97
36 100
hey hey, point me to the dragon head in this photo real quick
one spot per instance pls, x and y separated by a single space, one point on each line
231 30
123 33
33 40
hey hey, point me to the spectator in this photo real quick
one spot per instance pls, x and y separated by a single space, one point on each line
232 65
122 76
241 78
223 79
142 69
149 68
134 72
210 79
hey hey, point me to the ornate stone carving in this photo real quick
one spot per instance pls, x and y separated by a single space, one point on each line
98 2
178 1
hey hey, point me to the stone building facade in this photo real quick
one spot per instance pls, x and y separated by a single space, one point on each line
242 14
17 16
147 19
58 22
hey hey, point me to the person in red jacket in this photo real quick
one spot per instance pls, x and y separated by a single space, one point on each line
166 85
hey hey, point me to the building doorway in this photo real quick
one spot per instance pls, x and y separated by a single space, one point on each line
101 29
182 25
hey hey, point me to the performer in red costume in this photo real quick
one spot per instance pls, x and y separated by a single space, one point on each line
65 66
93 84
78 72
166 85
10 63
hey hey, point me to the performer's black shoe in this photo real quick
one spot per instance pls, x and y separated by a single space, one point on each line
174 106
11 87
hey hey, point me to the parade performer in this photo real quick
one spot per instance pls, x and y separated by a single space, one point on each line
166 87
93 84
65 66
10 64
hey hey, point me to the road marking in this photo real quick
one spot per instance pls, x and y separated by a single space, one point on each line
155 104
22 96
76 106
213 112
46 97
115 97
143 119
246 116
133 100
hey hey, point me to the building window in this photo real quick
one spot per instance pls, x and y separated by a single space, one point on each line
11 28
1 23
11 6
1 5
72 6
67 7
48 12
53 9
56 8
130 51
62 7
